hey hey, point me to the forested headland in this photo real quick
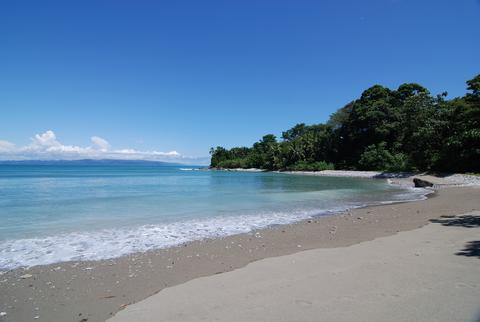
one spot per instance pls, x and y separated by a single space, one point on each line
407 129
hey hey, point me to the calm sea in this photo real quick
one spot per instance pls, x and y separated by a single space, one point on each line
53 213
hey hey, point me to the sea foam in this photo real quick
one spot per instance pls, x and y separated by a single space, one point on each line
111 243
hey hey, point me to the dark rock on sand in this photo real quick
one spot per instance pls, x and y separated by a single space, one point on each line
419 183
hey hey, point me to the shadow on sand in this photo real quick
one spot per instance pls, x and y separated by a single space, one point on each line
467 221
472 248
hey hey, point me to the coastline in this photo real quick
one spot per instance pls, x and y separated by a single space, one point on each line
400 178
426 274
96 290
104 244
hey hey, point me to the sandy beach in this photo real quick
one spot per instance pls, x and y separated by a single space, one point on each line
427 274
97 290
239 161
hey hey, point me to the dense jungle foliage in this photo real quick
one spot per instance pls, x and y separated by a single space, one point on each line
390 130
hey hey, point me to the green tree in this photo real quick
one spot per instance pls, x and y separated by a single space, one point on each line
384 129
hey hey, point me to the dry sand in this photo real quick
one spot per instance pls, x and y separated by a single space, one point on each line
428 274
97 290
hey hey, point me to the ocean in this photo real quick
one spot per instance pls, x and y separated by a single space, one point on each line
68 212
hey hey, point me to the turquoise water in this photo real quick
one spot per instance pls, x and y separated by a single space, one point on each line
57 213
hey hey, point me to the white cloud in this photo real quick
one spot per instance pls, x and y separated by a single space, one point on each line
6 146
46 146
101 143
171 153
47 139
127 151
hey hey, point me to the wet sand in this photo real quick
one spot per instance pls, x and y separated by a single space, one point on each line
94 291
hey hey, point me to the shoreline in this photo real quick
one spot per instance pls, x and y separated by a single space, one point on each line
404 178
53 292
402 277
414 194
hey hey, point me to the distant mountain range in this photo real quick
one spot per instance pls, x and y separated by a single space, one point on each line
87 162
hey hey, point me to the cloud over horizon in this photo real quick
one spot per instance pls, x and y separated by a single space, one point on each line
46 146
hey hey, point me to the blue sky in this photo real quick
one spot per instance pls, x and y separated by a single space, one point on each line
177 77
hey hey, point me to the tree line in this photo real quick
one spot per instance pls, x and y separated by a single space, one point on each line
407 129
